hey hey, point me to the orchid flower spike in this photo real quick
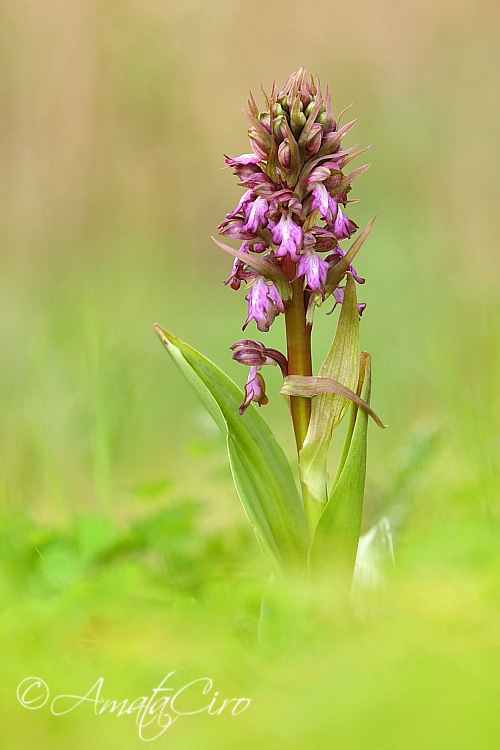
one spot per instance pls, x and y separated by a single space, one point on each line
293 211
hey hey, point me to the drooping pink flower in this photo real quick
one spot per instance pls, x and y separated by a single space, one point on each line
336 256
255 390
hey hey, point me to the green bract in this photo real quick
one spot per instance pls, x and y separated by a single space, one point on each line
327 409
335 541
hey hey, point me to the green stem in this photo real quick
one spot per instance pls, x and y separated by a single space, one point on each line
298 340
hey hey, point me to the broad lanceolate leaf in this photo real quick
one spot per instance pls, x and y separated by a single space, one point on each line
261 472
309 386
336 538
327 409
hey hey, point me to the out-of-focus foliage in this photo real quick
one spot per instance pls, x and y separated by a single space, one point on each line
113 123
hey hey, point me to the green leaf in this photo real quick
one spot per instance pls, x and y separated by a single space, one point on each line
309 386
261 472
327 409
336 537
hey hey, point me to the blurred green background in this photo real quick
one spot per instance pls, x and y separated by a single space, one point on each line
125 552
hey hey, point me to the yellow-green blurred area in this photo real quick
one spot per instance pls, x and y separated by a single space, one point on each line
125 551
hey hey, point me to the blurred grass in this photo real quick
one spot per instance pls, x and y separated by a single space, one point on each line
124 550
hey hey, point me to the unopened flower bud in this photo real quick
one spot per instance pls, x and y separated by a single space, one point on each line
309 108
258 148
298 123
265 119
234 228
285 154
255 353
314 140
279 127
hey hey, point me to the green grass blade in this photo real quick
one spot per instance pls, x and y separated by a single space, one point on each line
261 472
336 537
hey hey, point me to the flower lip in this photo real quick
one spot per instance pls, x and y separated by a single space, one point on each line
314 268
289 236
255 213
255 390
261 307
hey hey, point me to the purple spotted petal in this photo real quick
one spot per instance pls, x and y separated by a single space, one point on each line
261 307
314 268
324 240
288 235
321 199
255 214
343 227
